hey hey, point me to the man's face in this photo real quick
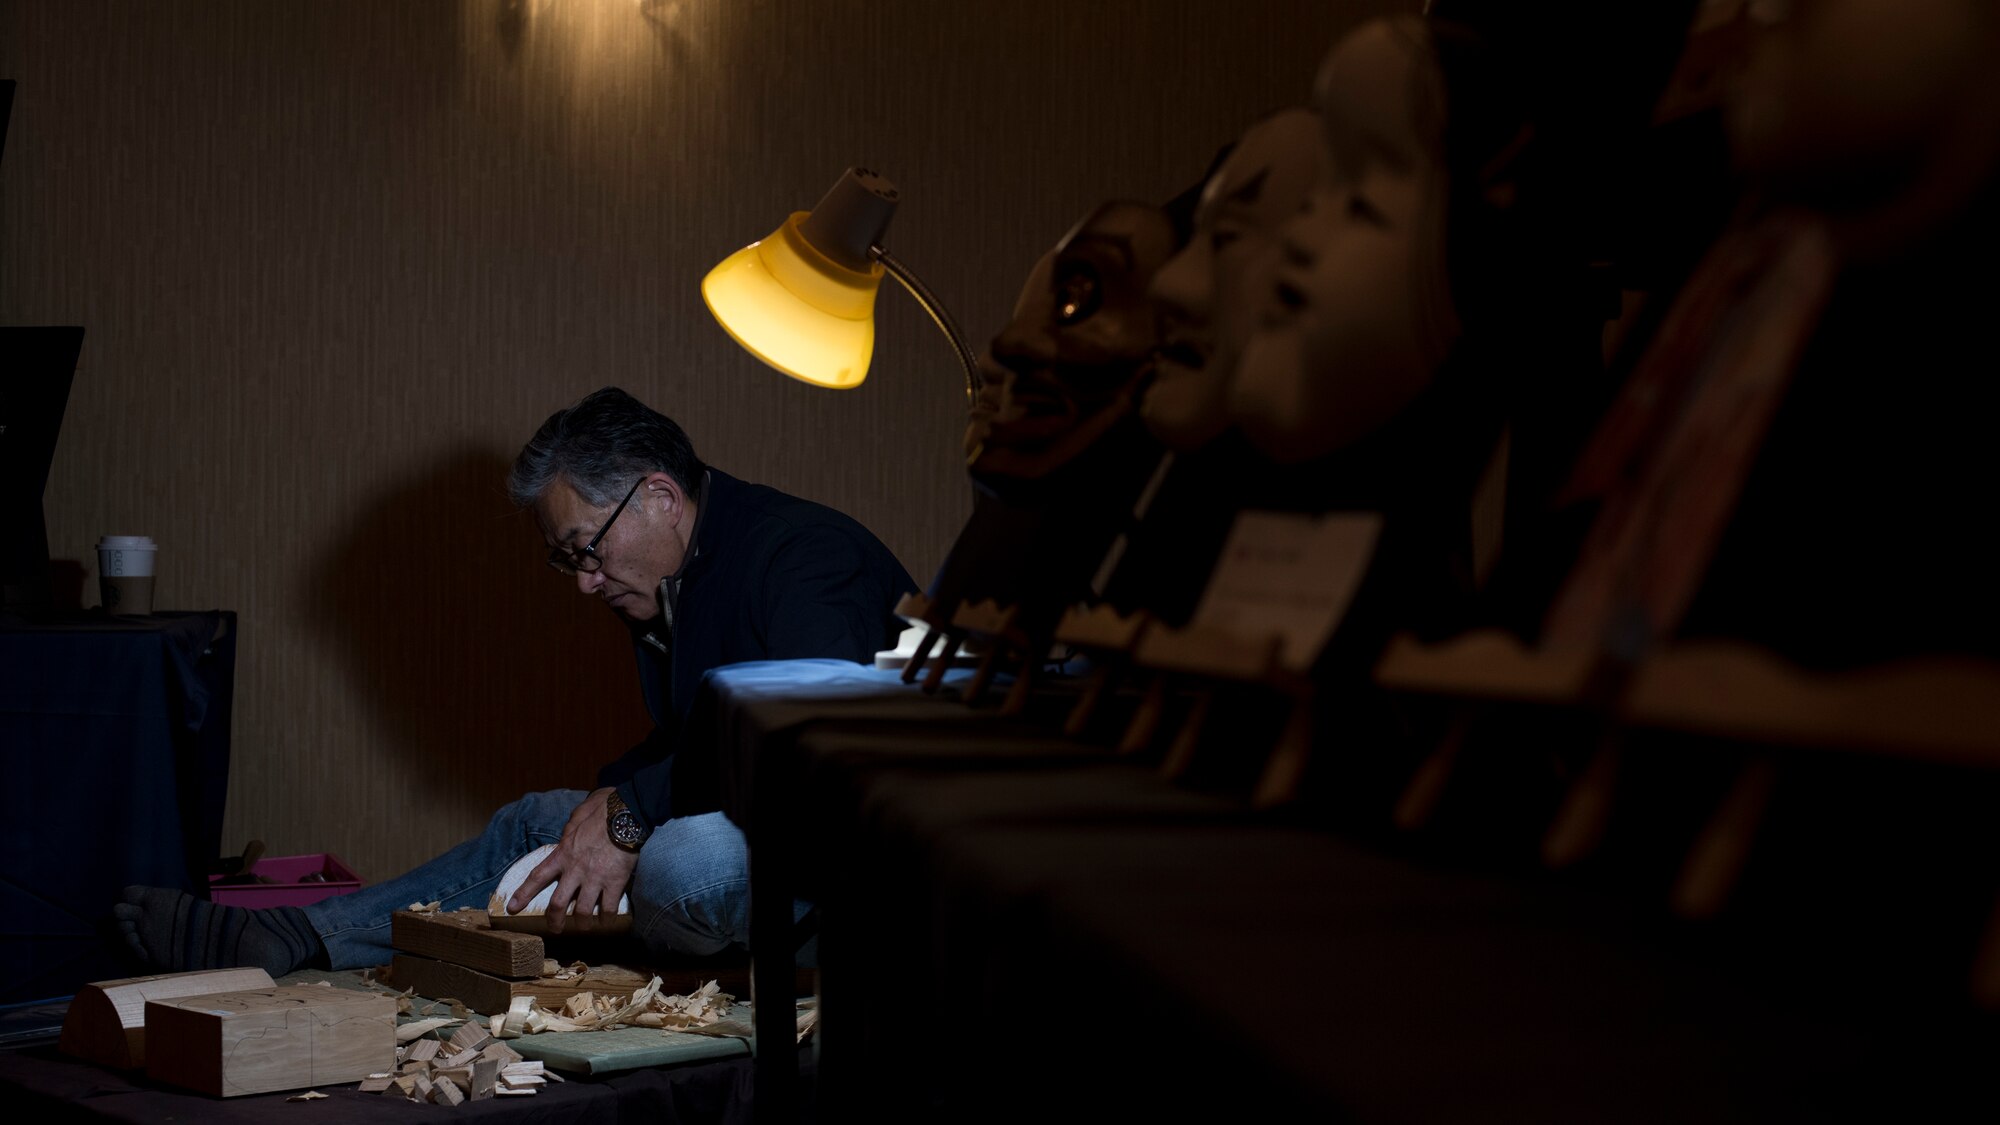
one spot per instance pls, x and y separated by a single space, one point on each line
1362 312
1211 295
1081 338
643 545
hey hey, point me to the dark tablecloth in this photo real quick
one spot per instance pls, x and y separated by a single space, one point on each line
44 1086
115 732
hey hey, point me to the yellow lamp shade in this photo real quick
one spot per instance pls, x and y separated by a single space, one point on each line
796 309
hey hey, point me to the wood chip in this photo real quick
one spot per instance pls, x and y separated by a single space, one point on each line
461 1076
308 1096
416 1028
517 1015
521 1081
485 1075
470 1037
510 1092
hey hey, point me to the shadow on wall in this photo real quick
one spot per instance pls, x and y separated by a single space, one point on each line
489 675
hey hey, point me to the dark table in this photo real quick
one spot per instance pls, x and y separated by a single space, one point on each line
1159 964
42 1085
754 714
1089 941
115 732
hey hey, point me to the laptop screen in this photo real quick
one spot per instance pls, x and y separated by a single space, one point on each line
34 389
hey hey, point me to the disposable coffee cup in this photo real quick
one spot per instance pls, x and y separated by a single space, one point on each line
125 573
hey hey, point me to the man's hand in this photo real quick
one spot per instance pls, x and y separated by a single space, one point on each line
589 871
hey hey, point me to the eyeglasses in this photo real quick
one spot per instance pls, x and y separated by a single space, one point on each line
586 561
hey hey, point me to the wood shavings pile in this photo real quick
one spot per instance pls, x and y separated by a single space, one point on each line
470 1066
588 1011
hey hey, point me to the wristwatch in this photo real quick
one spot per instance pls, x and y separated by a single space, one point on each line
623 825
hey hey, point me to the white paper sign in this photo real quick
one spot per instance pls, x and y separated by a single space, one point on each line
1289 576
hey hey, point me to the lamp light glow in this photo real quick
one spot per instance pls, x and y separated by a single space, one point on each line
803 300
797 309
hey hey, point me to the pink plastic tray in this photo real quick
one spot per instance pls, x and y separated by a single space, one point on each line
290 889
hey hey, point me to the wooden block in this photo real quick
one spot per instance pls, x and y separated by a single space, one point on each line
489 995
1487 664
423 1050
1101 628
465 937
986 616
1943 708
226 1044
106 1022
376 1085
448 1093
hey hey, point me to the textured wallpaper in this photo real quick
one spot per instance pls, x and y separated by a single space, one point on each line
337 260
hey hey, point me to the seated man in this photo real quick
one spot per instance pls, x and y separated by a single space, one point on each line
706 570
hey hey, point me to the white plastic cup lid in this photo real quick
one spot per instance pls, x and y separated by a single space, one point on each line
127 543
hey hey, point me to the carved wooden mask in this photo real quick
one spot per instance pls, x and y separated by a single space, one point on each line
1212 294
1361 314
1080 343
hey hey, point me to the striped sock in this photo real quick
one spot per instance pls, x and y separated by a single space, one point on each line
175 931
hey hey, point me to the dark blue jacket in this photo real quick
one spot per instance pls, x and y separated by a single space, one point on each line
767 577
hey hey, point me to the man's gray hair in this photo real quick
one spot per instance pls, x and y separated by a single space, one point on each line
600 447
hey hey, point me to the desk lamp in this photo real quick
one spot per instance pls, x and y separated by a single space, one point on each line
803 300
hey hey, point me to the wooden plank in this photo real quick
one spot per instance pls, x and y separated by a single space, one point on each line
1942 708
106 1022
464 937
487 994
227 1044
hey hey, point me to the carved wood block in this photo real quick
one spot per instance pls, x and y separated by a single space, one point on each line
106 1022
465 937
227 1044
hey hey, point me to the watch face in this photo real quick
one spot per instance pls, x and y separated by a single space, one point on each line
625 830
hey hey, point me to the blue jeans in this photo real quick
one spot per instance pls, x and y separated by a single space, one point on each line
690 892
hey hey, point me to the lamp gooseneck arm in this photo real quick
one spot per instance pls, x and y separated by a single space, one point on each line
938 315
